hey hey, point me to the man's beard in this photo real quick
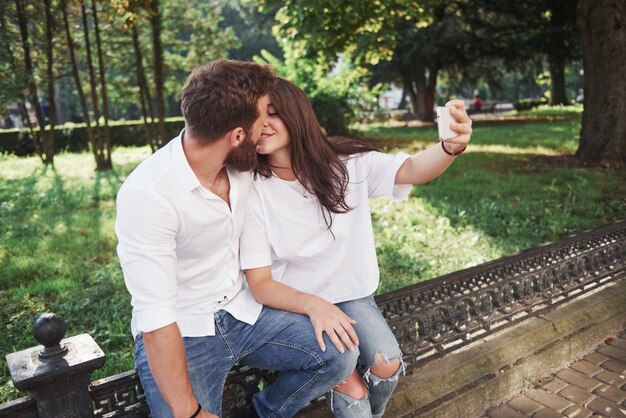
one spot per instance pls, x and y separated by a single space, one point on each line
243 157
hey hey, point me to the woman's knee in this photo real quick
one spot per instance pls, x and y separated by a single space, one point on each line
340 364
384 368
353 386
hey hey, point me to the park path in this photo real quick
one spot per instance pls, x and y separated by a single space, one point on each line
594 386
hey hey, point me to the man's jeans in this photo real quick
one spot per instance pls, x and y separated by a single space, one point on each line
279 340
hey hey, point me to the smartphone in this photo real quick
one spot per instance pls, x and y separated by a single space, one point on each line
444 119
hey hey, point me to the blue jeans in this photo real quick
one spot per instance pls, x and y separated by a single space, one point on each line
375 340
279 340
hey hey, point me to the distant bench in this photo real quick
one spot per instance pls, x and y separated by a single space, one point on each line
490 107
429 319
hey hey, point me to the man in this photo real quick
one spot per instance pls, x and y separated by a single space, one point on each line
179 218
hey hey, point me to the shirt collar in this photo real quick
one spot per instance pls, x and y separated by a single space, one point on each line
183 169
185 173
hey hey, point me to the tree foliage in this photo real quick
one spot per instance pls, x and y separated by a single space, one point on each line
411 40
115 62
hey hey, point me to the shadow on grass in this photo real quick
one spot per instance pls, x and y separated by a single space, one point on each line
555 135
58 254
523 200
50 229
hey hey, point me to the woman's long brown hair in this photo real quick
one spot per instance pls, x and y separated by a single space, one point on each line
316 160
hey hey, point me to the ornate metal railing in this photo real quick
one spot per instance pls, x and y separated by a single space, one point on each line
433 318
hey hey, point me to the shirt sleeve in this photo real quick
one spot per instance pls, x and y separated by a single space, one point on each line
146 228
381 170
255 250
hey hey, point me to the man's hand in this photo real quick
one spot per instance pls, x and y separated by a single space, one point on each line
328 318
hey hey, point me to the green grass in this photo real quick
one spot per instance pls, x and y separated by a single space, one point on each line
516 187
57 254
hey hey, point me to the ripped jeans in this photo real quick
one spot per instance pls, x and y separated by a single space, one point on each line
375 337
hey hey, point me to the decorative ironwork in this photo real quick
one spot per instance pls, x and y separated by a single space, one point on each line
119 396
433 318
436 317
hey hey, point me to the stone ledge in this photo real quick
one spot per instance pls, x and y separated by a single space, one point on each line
467 382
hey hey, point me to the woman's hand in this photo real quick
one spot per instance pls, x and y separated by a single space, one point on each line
463 126
328 318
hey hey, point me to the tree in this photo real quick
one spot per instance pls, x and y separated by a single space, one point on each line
253 30
523 32
98 70
48 140
168 49
102 78
155 20
13 80
414 40
561 45
102 139
602 28
44 139
101 152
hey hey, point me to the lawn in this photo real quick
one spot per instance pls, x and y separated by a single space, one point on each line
516 187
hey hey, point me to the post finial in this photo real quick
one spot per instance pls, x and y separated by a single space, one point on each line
49 329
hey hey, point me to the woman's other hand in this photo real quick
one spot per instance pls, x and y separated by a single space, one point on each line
328 318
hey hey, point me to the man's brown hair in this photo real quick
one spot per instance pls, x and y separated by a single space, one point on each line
223 95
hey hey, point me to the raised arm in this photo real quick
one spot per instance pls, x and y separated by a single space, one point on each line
324 316
433 161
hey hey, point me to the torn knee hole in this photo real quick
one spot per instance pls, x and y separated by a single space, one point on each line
384 368
353 386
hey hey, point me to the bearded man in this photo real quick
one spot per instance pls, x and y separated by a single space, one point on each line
179 218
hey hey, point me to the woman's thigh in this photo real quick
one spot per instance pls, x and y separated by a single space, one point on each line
375 336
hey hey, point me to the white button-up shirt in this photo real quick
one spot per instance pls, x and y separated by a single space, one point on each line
285 229
179 246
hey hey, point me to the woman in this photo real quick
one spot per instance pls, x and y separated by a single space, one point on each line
308 244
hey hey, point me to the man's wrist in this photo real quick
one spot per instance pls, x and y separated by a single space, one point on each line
190 409
197 412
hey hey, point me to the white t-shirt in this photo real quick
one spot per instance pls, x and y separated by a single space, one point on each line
285 228
179 246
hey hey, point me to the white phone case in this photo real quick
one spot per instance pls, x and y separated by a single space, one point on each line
444 119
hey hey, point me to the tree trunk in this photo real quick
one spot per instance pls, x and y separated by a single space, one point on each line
103 158
106 135
48 136
32 87
21 100
79 88
155 19
409 90
90 70
426 82
602 28
557 78
145 98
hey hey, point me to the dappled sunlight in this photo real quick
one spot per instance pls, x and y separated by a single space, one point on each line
415 242
18 168
50 286
512 150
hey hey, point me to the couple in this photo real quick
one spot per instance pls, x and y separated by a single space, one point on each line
192 216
